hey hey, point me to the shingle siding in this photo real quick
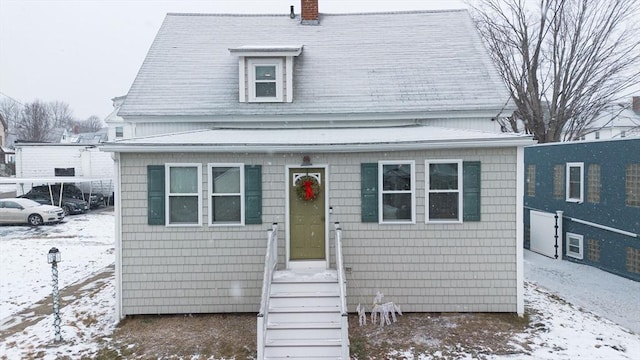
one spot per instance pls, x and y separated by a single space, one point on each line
422 267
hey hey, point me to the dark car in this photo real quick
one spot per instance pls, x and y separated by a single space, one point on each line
71 191
69 205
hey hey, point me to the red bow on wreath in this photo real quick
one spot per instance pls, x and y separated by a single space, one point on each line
308 190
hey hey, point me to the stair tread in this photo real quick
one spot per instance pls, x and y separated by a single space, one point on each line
303 342
302 294
305 276
305 325
311 309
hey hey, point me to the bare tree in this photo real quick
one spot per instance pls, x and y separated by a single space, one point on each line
564 61
34 123
61 114
91 124
11 111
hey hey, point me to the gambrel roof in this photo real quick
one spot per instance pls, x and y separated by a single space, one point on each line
404 64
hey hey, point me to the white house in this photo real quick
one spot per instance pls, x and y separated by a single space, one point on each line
619 120
256 134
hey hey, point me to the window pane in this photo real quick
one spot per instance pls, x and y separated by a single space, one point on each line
396 206
183 209
574 182
443 206
266 89
265 72
226 180
396 177
183 180
226 208
443 176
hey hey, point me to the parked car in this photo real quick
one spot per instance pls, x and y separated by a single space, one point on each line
25 211
69 205
70 190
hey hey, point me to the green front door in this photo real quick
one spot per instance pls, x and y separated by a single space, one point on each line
307 213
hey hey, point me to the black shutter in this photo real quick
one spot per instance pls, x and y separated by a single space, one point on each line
155 195
369 192
253 194
471 191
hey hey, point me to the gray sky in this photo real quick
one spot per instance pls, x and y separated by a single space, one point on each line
85 52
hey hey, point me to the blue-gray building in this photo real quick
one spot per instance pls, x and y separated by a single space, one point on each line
582 203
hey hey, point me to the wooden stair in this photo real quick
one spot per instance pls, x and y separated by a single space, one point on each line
304 319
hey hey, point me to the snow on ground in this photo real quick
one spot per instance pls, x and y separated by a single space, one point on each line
86 245
573 307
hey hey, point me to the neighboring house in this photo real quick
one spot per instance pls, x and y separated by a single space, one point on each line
4 129
618 120
9 156
97 137
46 160
381 122
118 129
594 189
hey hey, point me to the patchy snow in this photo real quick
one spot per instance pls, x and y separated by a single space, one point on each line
572 307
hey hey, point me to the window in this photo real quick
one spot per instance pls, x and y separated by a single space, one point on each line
574 245
443 185
226 186
558 182
184 186
632 185
597 135
633 260
575 182
593 250
397 198
593 183
265 80
119 132
623 134
64 172
531 180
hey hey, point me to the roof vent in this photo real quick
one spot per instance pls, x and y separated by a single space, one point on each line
292 14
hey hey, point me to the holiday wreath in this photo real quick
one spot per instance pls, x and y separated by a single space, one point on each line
307 188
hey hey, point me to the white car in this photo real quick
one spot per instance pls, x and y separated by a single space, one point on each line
21 211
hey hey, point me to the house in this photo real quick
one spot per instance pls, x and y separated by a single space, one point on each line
618 120
94 137
326 147
118 129
590 190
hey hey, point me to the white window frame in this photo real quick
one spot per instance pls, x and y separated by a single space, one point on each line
428 191
567 180
251 69
580 254
382 192
168 193
210 167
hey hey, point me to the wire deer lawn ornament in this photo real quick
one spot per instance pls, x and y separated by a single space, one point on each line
384 310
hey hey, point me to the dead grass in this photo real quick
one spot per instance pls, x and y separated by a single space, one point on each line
227 336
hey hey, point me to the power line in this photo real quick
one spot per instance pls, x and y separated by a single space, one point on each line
12 99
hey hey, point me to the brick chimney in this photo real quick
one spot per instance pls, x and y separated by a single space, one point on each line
635 104
309 12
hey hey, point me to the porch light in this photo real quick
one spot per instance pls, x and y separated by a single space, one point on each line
306 161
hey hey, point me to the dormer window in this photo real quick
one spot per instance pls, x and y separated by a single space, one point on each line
265 72
265 80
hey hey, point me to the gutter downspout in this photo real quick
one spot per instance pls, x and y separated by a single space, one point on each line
117 208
